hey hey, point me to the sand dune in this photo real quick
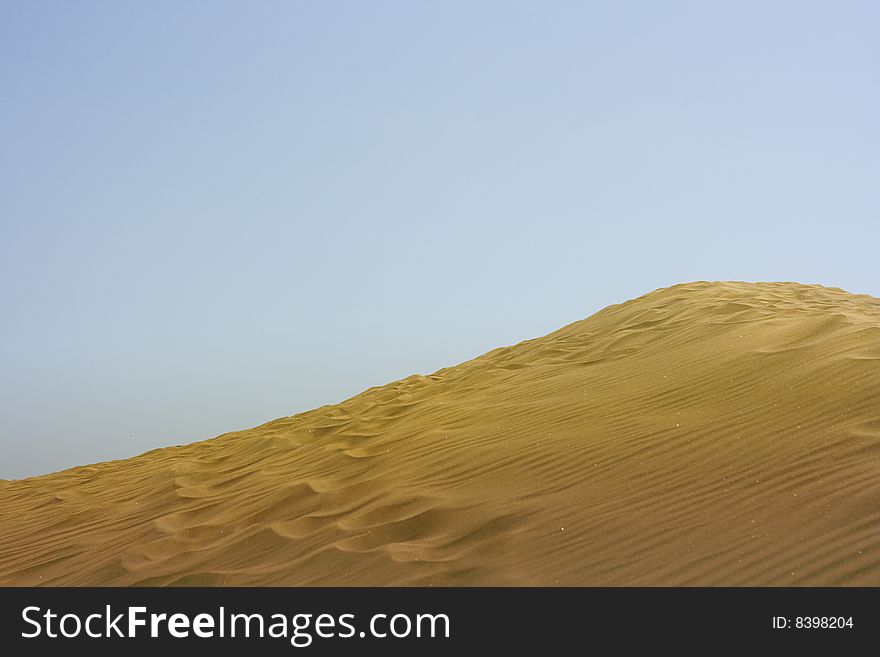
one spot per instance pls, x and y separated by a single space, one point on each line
703 434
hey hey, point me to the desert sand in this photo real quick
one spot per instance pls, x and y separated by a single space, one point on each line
703 434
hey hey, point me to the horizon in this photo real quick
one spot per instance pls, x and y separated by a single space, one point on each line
217 215
454 365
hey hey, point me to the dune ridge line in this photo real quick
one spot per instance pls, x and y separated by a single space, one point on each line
702 434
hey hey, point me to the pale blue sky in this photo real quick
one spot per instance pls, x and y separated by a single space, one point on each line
215 214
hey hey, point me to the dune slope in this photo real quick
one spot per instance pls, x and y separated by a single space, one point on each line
704 434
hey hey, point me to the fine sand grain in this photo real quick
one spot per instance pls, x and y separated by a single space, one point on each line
703 434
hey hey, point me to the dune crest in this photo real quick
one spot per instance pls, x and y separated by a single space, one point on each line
703 434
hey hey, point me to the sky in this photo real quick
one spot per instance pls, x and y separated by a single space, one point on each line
214 214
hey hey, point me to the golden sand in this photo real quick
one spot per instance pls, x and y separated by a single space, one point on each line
703 434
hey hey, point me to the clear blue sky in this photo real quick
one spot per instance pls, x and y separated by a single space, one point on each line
218 213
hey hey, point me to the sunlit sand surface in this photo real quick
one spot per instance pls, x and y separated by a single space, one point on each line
704 434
